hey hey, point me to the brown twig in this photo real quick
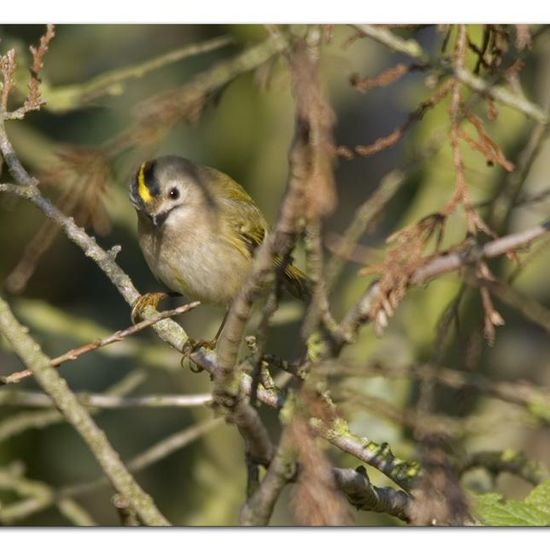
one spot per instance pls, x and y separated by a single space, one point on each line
439 265
309 194
319 309
34 99
7 68
117 336
391 139
386 77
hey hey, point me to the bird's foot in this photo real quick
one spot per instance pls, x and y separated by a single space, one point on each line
191 347
149 299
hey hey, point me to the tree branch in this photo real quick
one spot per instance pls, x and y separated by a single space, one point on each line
102 401
338 434
496 462
36 493
155 453
439 265
119 335
412 48
362 494
31 354
26 420
258 509
65 98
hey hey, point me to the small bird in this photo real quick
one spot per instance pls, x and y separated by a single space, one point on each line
198 230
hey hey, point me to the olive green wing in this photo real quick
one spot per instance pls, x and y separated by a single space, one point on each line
248 228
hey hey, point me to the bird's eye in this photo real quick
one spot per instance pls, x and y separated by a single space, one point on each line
174 193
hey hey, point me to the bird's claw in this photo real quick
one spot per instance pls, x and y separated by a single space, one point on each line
191 347
149 299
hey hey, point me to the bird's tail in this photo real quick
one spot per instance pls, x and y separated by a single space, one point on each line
297 283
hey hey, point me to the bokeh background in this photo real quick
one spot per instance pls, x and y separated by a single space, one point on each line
246 132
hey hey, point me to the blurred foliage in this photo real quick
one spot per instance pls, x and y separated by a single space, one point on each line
245 131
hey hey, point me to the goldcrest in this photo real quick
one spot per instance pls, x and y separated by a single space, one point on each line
198 230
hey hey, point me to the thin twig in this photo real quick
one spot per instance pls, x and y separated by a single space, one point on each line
119 335
102 401
27 420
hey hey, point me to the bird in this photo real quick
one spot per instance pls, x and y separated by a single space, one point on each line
198 230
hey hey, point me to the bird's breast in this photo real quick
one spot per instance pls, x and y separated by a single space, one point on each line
195 261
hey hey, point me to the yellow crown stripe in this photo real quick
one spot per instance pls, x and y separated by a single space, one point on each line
143 190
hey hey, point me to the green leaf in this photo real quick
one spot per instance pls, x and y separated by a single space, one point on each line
539 497
493 509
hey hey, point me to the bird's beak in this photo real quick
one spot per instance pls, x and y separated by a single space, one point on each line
159 219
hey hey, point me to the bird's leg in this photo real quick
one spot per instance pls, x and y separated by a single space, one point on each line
193 345
148 299
221 327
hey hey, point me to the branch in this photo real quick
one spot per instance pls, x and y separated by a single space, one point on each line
412 48
496 462
21 422
141 461
258 508
66 98
380 456
362 494
31 354
102 401
55 323
338 434
36 493
444 263
119 335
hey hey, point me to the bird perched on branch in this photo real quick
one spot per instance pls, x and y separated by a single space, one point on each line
198 230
